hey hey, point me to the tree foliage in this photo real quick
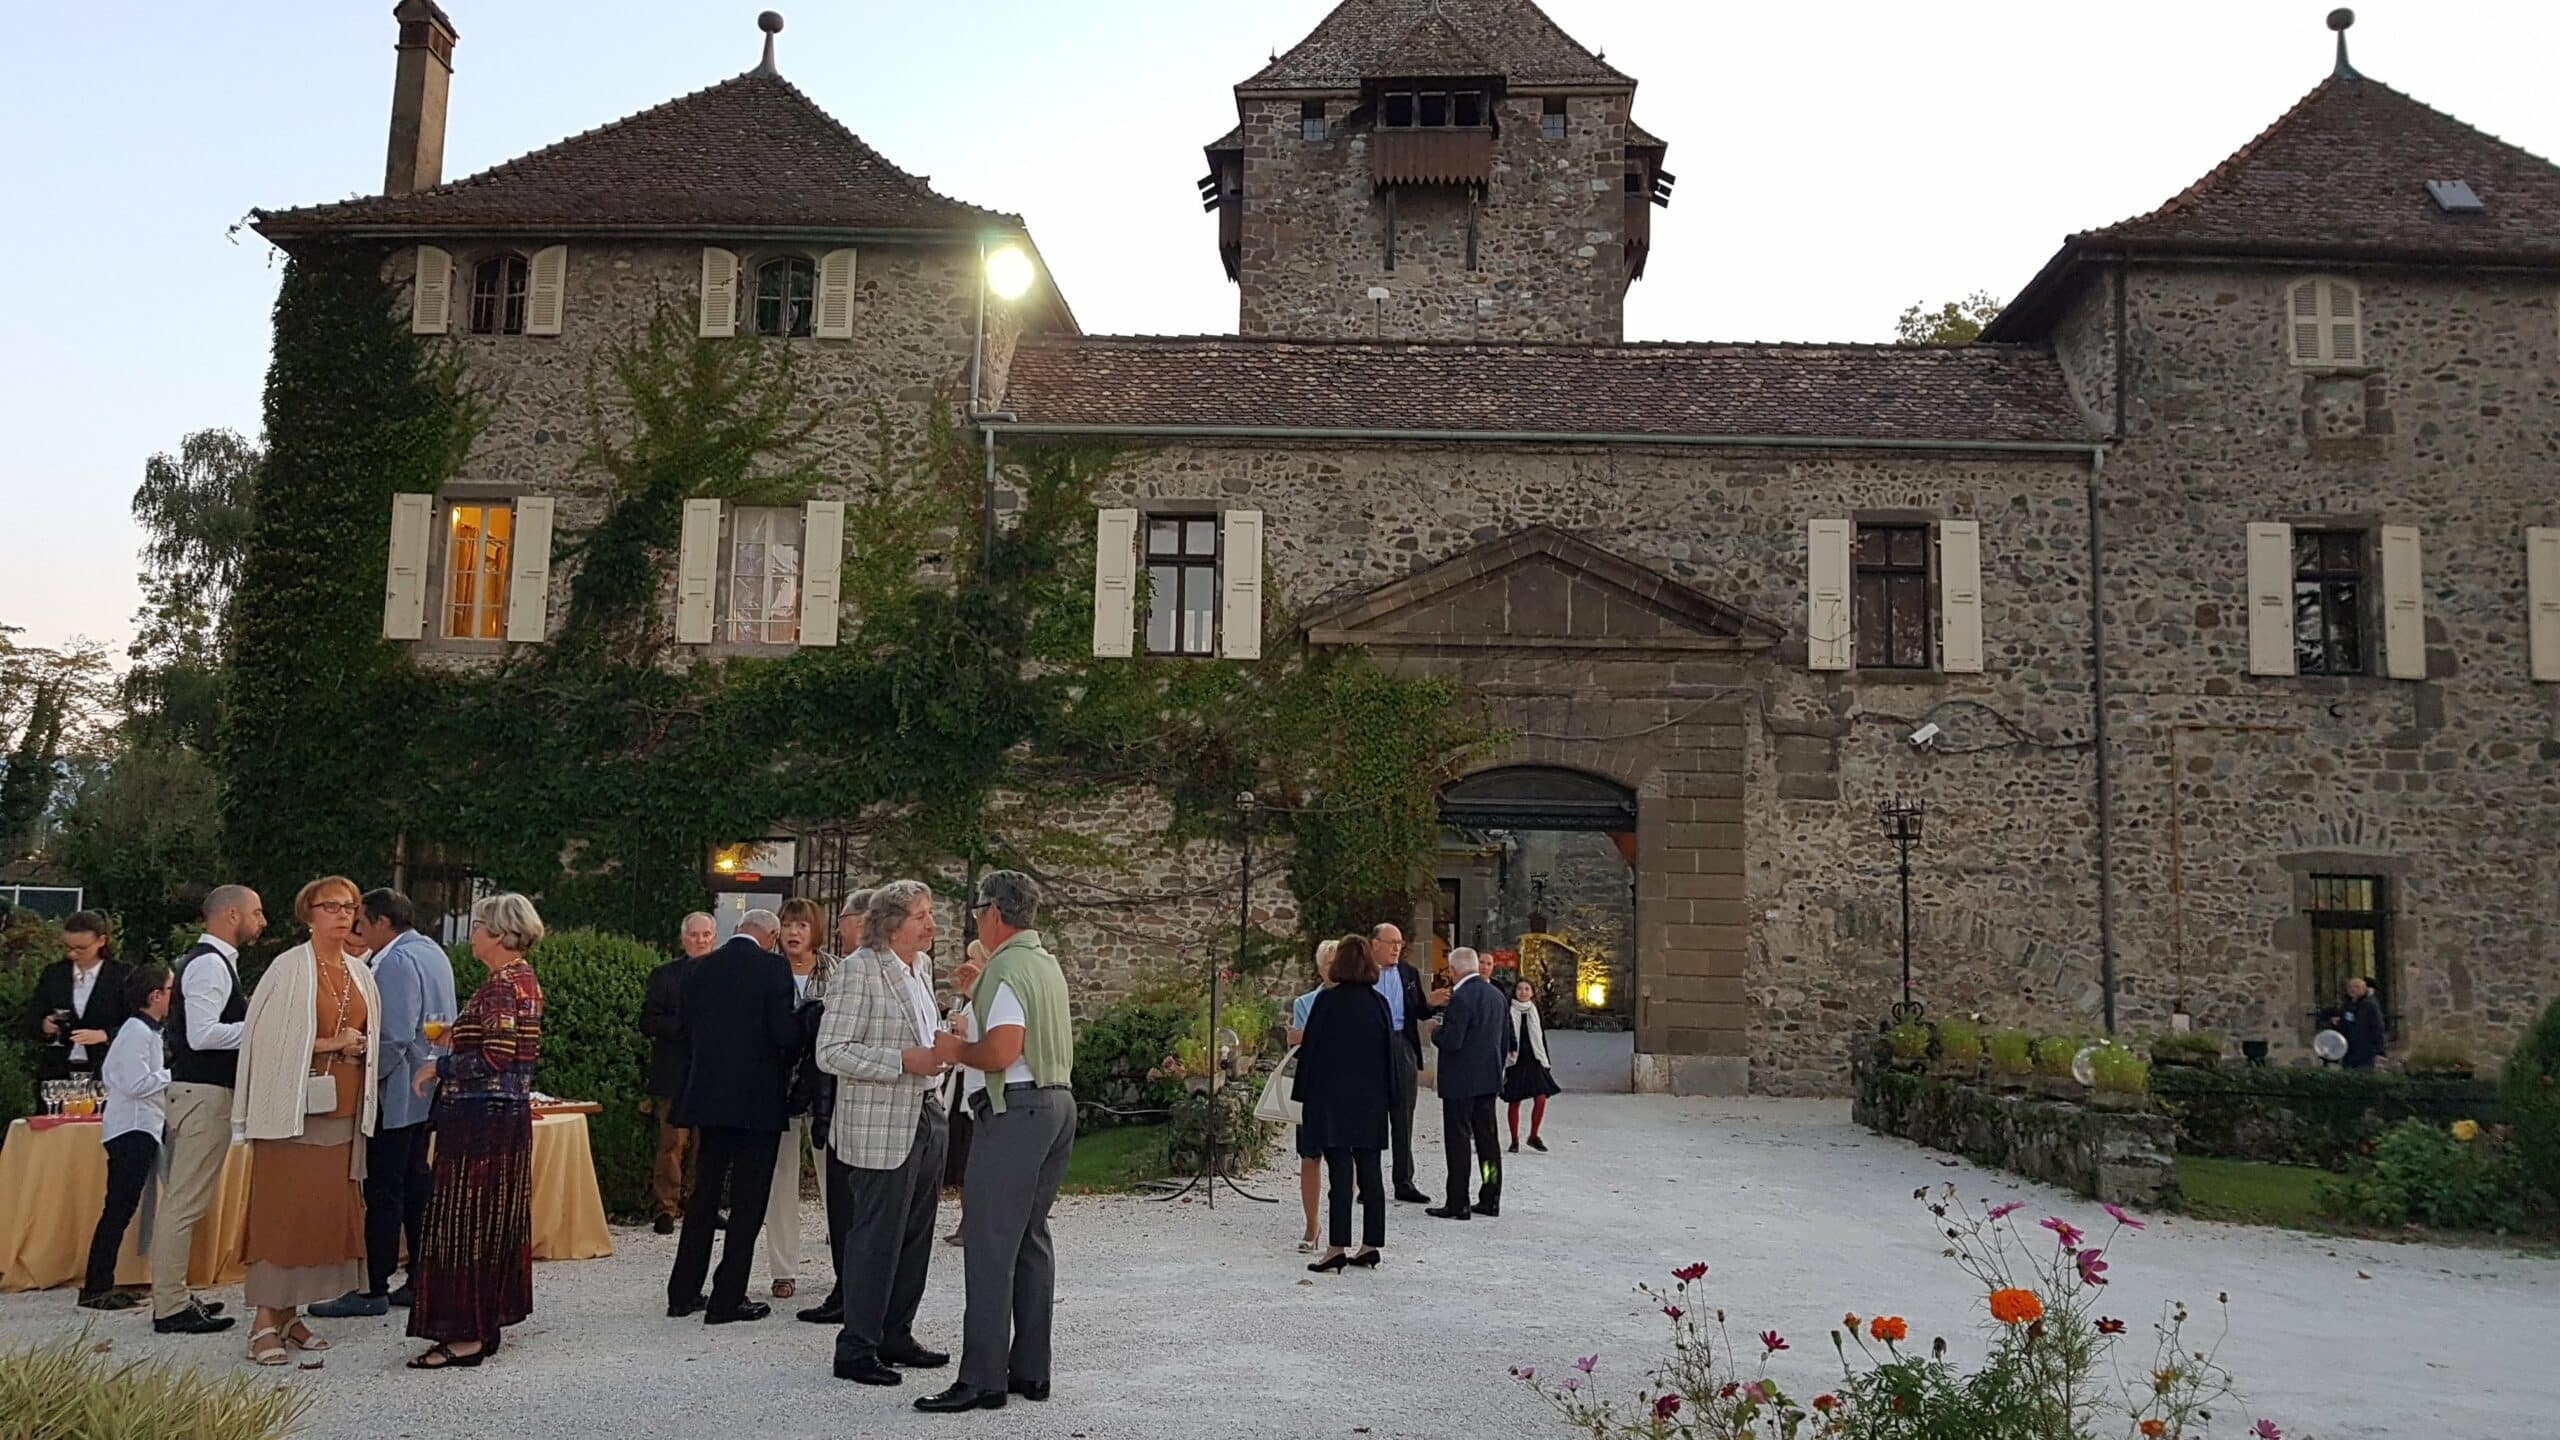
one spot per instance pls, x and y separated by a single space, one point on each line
1957 322
194 509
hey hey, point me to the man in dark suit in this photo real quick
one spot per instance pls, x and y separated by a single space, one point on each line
658 1007
2360 1020
741 1042
1475 1042
1401 987
88 988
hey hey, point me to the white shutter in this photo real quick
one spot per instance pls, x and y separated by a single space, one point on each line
529 571
1960 597
2404 610
2324 323
821 571
2270 599
835 296
1826 566
2346 328
544 290
2542 596
697 571
431 293
1240 585
2303 322
1115 582
404 589
719 291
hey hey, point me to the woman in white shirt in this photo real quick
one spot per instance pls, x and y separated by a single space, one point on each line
135 1075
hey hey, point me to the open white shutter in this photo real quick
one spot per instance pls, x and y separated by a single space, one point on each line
431 294
1826 565
2346 326
2542 599
529 572
2270 599
1960 596
1115 582
2404 610
544 290
719 291
404 587
821 571
697 571
2302 322
835 296
1240 585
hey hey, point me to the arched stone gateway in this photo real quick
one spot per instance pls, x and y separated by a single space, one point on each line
1621 689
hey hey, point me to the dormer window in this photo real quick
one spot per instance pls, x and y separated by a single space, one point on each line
2324 324
786 296
498 288
1431 109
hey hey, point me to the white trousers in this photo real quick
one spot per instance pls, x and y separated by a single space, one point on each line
782 1206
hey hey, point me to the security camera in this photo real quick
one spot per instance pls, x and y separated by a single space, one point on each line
1926 736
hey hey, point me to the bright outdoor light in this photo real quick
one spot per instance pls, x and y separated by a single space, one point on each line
1595 994
1009 272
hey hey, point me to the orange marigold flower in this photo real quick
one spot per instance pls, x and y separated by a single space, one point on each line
2016 1307
1826 1403
1850 1320
2154 1429
1888 1327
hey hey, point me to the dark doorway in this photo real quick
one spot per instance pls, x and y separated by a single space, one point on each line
1537 866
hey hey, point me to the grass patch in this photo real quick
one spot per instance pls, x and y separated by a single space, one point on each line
2253 1193
1109 1161
74 1389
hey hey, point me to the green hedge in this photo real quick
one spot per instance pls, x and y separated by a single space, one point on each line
2323 1117
28 943
2530 1093
1116 1046
592 1048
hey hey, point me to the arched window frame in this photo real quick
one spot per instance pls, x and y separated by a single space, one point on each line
501 287
790 310
2324 323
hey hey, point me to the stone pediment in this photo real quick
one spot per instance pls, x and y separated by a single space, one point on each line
1540 588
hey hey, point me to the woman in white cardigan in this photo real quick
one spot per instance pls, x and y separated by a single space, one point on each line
306 1098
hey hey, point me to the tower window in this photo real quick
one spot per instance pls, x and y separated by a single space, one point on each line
1551 124
1467 108
1311 120
1397 112
1434 111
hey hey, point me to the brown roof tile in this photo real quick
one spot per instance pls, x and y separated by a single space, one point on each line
750 152
1996 393
1384 39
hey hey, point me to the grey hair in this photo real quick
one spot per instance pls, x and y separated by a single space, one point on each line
1379 930
510 919
888 909
702 915
854 904
225 897
1463 958
763 922
1015 895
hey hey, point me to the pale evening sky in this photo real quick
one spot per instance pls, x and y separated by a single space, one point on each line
1836 162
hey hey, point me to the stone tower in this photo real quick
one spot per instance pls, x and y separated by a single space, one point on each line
1436 170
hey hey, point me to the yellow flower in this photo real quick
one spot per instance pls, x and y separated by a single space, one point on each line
2466 1131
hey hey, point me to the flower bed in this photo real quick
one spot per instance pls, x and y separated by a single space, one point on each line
2327 1118
2123 1157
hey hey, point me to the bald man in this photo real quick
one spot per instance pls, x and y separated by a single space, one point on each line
1401 987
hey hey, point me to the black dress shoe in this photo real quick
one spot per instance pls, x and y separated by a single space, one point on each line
1449 1212
1329 1264
916 1357
678 1309
402 1298
746 1311
664 1225
1036 1390
194 1320
961 1396
108 1300
1490 1212
868 1372
210 1307
1411 1196
1537 1144
831 1312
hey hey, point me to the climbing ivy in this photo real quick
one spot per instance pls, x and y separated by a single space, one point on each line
960 712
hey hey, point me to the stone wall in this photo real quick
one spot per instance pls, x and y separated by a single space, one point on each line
1550 232
2125 1158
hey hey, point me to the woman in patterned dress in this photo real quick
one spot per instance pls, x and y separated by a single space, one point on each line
475 1276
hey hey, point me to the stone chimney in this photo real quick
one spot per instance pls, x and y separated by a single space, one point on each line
418 98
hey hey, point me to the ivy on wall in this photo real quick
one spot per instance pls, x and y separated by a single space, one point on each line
960 711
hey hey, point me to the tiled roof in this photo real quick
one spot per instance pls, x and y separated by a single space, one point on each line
749 152
1999 393
1371 39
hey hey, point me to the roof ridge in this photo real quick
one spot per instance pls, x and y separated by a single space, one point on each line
517 162
1348 342
922 185
2176 204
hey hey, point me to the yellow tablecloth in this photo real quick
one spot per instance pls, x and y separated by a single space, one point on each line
53 1183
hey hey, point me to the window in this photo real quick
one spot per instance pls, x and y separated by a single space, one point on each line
1311 120
2350 935
1397 112
764 574
498 286
1182 585
786 296
478 539
2328 602
1466 109
1551 124
1892 620
1432 109
2325 324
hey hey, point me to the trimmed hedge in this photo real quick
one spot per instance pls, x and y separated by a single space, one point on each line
592 1048
28 943
2530 1093
2324 1117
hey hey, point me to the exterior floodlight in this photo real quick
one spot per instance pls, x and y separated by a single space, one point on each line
1009 272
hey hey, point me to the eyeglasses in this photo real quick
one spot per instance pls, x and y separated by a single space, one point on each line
336 907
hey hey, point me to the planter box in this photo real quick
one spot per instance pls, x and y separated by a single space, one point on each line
2129 1158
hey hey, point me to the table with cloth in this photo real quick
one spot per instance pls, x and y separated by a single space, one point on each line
53 1183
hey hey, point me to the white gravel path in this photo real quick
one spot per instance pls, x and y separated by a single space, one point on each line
1177 1321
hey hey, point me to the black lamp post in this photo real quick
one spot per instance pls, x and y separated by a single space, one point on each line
1901 819
1213 1171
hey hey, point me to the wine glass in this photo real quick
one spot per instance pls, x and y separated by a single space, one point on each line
435 1028
53 1096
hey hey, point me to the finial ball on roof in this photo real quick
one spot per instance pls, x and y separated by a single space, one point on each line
2339 20
770 22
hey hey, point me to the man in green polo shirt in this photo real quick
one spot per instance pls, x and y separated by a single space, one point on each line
1023 1041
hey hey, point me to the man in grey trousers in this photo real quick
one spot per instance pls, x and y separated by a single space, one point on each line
884 1147
1021 1040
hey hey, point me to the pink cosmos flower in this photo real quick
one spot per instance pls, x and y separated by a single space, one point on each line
2116 1213
1586 1362
1771 1342
2266 1430
2005 1209
2069 1232
1688 1273
2093 1271
1666 1407
1572 1383
1757 1392
2109 1325
1528 1372
1674 1311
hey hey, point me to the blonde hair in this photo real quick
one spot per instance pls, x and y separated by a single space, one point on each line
510 919
1324 958
311 894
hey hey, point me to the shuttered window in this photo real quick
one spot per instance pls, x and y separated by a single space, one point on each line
2324 323
1826 564
1892 605
2329 596
719 296
479 538
786 296
2542 600
1182 585
499 288
431 295
835 295
764 574
1115 579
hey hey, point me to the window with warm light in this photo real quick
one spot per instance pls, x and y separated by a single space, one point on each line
764 575
478 539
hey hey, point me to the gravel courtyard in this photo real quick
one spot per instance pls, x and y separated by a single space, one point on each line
1179 1321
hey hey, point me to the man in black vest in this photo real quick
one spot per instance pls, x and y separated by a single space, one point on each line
206 1009
741 1043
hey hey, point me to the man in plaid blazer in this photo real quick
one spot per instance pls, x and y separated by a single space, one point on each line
885 1146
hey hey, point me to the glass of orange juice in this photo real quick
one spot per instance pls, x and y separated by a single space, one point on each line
435 1030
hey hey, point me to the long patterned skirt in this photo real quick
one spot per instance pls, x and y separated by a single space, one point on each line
475 1273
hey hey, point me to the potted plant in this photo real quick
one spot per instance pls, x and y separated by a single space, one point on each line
2191 1049
1189 1063
2122 1079
2053 1078
2013 1058
1960 1050
1908 1043
2438 1055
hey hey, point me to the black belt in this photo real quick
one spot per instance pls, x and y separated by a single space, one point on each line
978 1102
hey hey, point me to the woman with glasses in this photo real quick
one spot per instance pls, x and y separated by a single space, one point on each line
306 1097
474 1275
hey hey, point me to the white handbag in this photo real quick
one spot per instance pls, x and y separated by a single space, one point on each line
1274 1104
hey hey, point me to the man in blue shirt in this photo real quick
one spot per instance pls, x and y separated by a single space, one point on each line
1402 989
